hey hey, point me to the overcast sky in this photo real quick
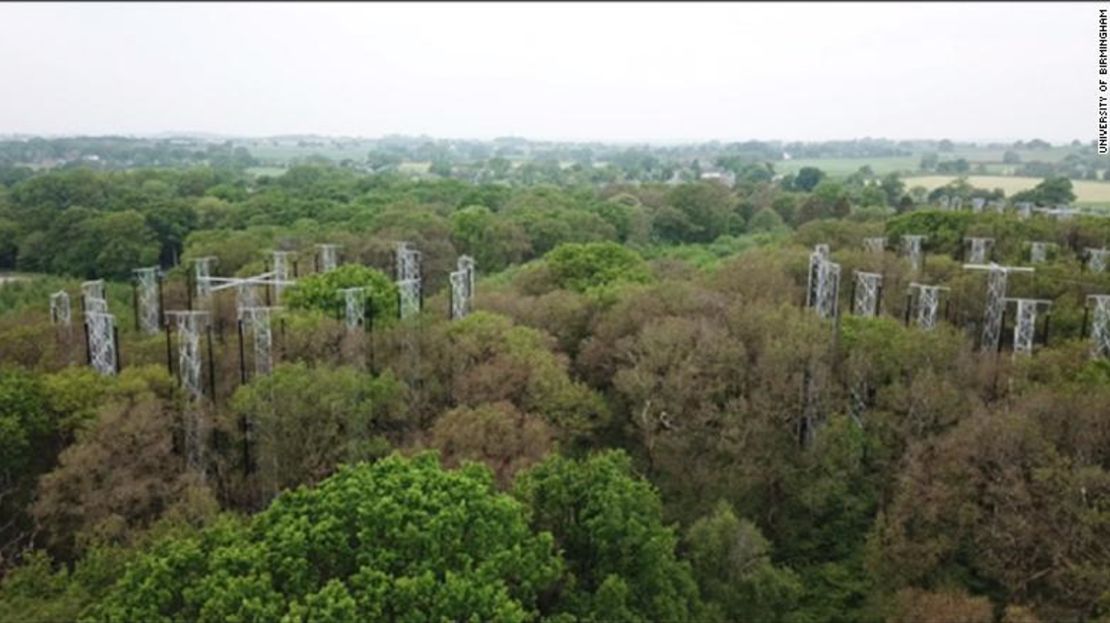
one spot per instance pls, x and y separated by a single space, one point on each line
618 72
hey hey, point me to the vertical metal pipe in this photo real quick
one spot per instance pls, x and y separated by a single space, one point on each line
115 342
242 361
211 366
169 349
135 303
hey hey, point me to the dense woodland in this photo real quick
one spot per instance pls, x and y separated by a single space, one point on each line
640 420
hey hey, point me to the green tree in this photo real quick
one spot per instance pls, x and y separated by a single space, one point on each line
583 267
400 539
620 558
808 178
766 220
731 560
305 421
320 291
706 206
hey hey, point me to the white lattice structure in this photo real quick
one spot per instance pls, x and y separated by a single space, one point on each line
101 343
202 276
245 295
1096 259
944 202
957 203
148 306
189 324
875 245
820 252
462 287
823 290
408 261
1038 251
280 271
867 289
977 204
409 293
247 288
1100 325
92 296
409 279
354 305
257 321
926 305
328 255
1024 209
978 249
995 306
1025 323
911 248
61 313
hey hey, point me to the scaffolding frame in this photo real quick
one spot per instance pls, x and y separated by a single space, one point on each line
867 291
926 304
995 308
911 248
979 249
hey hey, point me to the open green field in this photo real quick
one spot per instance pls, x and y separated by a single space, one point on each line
991 159
845 166
260 171
1086 192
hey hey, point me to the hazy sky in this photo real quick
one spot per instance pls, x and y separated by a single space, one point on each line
574 71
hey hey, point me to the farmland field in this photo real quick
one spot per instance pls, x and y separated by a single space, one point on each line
991 159
1087 192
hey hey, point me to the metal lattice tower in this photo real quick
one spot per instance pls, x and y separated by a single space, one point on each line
462 287
102 344
824 287
354 302
911 248
408 261
820 253
245 296
927 305
189 325
1096 259
408 279
409 290
92 296
995 307
957 203
979 249
257 319
280 271
944 202
1038 252
874 245
329 257
202 269
149 311
866 299
1100 325
1024 209
1025 325
977 204
60 312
